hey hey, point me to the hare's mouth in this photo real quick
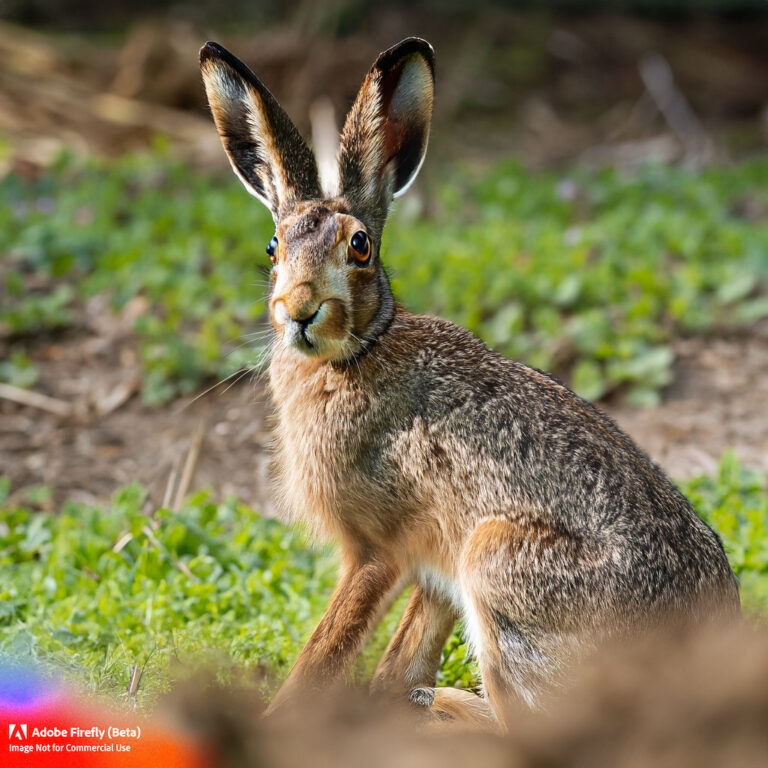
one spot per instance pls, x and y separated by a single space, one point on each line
304 325
303 341
322 334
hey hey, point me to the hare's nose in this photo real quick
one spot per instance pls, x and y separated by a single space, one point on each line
300 303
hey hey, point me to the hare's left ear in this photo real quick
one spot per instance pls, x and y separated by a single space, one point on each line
386 132
263 145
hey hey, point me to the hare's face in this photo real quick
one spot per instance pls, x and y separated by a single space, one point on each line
329 296
323 285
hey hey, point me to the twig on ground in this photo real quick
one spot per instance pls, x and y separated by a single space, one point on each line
118 396
133 684
35 400
190 465
182 566
92 575
122 541
660 83
171 484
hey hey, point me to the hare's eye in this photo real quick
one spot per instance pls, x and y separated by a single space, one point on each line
271 249
361 247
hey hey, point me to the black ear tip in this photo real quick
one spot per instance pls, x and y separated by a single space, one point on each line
404 48
420 44
208 51
213 50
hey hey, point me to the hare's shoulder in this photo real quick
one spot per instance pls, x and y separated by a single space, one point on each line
454 357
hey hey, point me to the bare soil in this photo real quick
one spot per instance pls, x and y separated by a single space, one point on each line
719 401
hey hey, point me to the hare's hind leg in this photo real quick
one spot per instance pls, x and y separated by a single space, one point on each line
411 661
526 591
454 707
413 655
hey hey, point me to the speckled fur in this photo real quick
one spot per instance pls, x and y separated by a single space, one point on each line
430 459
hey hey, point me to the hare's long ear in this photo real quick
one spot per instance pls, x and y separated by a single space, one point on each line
385 134
263 145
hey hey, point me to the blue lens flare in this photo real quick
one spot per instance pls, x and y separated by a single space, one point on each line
21 687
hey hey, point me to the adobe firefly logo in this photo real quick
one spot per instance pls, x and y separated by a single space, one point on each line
17 731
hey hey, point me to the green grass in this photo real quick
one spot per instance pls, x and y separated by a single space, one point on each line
588 274
247 593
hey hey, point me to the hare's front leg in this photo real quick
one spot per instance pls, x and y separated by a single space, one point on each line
357 602
413 655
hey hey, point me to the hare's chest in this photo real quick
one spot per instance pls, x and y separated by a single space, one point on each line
327 434
326 464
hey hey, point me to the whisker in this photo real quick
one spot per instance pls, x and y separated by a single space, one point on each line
266 330
241 344
252 334
204 393
245 371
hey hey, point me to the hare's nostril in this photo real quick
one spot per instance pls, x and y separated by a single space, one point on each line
308 320
281 313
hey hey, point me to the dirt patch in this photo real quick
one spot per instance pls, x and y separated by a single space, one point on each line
87 456
719 401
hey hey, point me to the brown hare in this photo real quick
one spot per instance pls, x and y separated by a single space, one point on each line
504 498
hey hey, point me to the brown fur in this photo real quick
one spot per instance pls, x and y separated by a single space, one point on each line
413 656
355 606
431 460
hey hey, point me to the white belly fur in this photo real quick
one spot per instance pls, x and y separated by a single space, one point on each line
448 588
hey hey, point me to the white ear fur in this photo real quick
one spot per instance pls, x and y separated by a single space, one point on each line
263 146
384 140
228 94
413 99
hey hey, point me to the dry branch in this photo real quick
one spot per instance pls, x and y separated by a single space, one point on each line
190 465
35 400
660 83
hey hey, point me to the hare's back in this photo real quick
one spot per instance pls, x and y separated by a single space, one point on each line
514 438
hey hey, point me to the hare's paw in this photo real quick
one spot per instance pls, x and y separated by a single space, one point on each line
453 706
422 697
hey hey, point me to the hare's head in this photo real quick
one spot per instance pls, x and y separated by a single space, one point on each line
329 295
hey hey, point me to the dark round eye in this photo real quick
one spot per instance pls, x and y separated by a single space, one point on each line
361 245
271 248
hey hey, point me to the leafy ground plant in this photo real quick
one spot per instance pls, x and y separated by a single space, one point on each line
95 592
588 274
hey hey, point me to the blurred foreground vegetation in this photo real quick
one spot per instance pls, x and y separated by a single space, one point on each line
94 592
589 274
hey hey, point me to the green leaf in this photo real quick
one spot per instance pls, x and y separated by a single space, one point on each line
588 380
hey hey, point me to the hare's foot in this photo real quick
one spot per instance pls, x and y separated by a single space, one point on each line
454 707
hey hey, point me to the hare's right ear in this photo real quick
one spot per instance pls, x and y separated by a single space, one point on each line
263 145
385 134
